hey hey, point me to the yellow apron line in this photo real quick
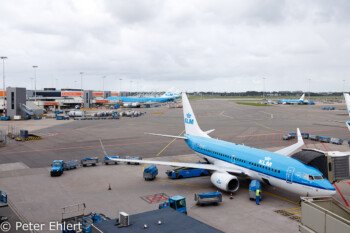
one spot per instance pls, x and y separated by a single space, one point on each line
266 127
296 212
169 144
285 199
143 168
194 185
293 208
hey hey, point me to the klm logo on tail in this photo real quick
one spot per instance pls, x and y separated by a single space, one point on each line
188 119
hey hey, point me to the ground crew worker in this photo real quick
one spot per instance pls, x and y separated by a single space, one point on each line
257 198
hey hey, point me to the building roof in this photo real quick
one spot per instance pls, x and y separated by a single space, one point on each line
171 221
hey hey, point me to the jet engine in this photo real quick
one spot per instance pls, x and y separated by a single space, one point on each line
225 181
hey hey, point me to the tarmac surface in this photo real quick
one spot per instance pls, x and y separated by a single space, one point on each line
39 198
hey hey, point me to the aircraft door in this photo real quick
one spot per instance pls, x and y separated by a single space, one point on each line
289 175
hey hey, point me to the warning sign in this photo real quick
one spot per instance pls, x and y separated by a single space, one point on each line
155 198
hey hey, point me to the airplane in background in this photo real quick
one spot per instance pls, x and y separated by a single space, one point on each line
347 101
137 101
299 101
227 161
171 94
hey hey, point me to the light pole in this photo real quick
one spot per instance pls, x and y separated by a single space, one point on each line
35 81
264 88
103 86
3 83
120 87
130 87
309 87
343 85
81 81
81 89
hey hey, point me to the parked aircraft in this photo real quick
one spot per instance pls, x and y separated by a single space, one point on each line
347 101
227 161
299 101
137 101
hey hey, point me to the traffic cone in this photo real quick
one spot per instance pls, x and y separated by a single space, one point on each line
231 196
109 187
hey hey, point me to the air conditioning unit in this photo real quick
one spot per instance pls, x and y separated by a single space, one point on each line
123 219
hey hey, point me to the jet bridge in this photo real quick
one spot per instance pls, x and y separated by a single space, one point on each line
334 165
30 109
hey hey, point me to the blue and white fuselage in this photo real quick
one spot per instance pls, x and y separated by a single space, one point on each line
142 99
269 167
288 101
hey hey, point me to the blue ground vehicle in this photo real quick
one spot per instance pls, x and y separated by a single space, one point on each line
176 202
349 142
92 161
3 199
253 186
58 166
337 141
186 172
5 118
71 165
150 172
107 159
324 139
208 198
314 137
62 117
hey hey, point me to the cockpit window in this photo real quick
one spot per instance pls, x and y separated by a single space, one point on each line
310 177
318 177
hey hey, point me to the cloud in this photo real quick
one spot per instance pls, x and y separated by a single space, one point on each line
226 45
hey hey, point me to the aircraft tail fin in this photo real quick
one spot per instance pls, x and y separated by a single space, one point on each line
302 97
191 125
347 101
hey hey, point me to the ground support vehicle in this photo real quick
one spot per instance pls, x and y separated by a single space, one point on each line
212 198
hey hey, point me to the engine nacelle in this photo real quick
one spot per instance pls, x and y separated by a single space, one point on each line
225 181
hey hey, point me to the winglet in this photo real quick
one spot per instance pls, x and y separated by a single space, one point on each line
300 138
290 149
302 97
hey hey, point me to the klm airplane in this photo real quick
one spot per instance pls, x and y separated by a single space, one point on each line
167 97
299 101
347 100
227 161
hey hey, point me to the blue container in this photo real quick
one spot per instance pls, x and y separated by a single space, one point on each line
150 172
253 186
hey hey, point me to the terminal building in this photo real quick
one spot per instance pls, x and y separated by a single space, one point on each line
155 221
20 103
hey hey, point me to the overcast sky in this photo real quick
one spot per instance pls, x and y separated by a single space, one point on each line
191 45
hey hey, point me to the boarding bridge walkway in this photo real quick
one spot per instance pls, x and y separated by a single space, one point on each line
31 109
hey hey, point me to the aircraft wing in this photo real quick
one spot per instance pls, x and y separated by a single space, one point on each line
290 149
178 164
